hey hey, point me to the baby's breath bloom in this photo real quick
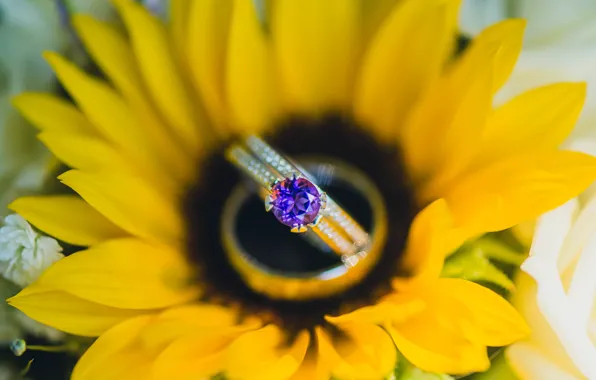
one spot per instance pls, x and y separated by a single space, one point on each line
24 253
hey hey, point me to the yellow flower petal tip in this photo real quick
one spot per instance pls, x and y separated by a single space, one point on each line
80 21
125 6
580 87
20 101
509 28
52 57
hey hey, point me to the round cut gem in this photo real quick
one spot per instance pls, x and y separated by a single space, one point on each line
295 201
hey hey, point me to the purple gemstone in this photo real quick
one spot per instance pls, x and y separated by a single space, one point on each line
295 201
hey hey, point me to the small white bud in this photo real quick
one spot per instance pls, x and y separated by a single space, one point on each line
24 253
18 347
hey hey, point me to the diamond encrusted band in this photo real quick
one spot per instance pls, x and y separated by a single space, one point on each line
304 282
296 200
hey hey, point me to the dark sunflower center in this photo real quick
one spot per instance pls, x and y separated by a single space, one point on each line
264 238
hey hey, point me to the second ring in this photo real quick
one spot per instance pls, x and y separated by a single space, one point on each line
296 200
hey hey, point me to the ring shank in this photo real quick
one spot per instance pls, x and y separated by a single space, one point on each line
334 227
281 165
306 285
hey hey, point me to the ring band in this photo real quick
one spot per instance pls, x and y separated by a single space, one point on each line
324 282
278 176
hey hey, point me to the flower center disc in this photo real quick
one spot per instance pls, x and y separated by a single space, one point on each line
295 201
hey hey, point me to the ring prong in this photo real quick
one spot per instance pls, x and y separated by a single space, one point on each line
316 220
298 229
268 203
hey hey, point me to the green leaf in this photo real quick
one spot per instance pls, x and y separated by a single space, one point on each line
413 373
499 370
499 251
475 261
473 265
406 371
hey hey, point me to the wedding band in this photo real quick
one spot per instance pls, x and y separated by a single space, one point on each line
296 200
332 279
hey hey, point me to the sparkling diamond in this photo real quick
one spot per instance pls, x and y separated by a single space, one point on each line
295 201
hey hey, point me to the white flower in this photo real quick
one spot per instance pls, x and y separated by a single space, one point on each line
25 254
556 293
557 299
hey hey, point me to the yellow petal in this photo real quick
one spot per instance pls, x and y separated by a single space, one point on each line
110 51
152 49
196 319
397 309
506 37
124 273
366 353
494 321
444 129
432 237
85 152
433 348
192 357
69 313
200 350
67 218
519 189
312 368
451 334
124 200
260 355
50 113
179 20
374 13
206 43
537 120
461 140
250 73
391 82
540 119
204 315
105 109
316 46
114 56
116 355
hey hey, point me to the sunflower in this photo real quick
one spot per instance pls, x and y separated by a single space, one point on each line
375 83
